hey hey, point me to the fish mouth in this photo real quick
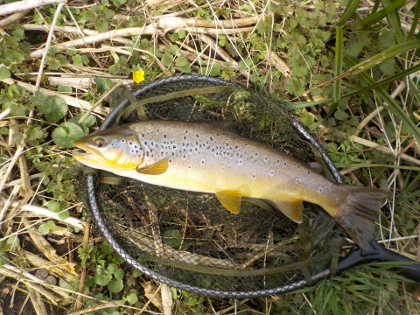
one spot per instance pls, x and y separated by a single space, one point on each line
85 153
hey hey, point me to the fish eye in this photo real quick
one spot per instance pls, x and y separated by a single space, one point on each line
99 142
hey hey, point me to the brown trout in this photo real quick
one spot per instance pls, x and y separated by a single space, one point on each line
204 158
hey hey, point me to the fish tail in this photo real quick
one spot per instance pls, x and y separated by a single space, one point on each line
358 210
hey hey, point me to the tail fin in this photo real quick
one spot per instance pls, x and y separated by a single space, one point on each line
358 211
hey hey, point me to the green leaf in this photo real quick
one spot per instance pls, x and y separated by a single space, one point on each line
115 285
13 242
46 227
15 109
35 134
119 274
53 108
86 120
103 84
341 115
183 64
132 298
102 277
4 73
67 133
77 60
172 238
54 205
119 3
167 59
43 229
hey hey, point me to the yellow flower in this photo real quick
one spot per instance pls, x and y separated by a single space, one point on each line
138 76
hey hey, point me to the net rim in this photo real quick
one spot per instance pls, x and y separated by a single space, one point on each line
91 184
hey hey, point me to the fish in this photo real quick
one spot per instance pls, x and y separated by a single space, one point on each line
206 158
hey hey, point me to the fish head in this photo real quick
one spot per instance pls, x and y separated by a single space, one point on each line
115 149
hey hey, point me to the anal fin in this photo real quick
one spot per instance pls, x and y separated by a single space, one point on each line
293 209
230 199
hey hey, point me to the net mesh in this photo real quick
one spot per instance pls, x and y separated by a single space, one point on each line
189 237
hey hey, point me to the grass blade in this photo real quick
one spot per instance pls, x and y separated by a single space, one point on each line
396 109
416 19
379 15
338 61
383 56
348 12
394 21
371 62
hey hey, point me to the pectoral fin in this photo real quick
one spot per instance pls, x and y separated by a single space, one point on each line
154 169
293 209
230 199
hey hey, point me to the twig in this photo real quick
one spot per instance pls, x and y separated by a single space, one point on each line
29 280
222 53
78 304
26 5
166 295
100 37
62 29
162 26
37 302
277 62
168 22
216 31
71 101
97 307
12 18
41 211
47 45
367 119
379 147
5 113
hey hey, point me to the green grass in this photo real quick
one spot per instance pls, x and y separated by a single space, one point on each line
346 59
